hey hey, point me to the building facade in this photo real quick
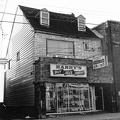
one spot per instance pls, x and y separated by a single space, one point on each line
111 42
56 65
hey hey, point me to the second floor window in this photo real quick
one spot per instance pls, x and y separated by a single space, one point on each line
18 56
88 46
60 48
9 64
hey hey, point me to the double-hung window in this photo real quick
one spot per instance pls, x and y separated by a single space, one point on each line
60 48
81 23
44 17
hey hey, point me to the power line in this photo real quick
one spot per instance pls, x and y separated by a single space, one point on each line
28 23
73 9
35 17
11 31
69 13
1 25
4 10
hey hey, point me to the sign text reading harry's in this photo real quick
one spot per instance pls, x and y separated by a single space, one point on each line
68 70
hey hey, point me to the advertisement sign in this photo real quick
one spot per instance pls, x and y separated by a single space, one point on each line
100 62
60 70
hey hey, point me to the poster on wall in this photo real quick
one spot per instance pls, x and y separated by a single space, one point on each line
60 70
100 62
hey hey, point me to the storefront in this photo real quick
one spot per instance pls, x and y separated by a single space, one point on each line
64 88
68 97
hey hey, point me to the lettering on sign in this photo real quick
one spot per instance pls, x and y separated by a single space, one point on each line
100 62
68 70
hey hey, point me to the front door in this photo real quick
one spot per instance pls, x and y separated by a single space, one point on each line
99 98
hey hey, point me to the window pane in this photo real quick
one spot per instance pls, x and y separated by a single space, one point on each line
44 15
50 97
60 48
44 21
67 97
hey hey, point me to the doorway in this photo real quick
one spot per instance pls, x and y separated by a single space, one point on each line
99 98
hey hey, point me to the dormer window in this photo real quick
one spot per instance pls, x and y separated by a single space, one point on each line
44 17
81 23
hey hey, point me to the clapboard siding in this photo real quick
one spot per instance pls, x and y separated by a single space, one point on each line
19 80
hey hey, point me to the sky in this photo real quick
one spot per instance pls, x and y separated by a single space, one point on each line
95 12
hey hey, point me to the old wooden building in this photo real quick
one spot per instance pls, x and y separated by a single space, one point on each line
56 65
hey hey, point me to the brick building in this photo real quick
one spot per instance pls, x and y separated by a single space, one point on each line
111 42
50 69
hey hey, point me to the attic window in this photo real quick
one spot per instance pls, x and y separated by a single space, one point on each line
44 17
81 23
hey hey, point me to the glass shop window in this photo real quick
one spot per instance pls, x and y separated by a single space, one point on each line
67 97
50 97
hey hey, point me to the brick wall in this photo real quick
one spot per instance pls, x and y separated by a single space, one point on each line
101 75
80 53
42 69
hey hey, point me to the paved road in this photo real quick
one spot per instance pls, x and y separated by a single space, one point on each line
98 116
101 116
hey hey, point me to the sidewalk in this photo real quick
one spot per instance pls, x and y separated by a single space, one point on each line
100 116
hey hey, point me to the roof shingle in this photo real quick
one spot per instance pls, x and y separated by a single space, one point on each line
59 23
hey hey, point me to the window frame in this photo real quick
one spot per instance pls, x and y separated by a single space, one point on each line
18 56
9 64
81 23
42 18
62 55
86 46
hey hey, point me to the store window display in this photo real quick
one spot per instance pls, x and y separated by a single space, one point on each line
67 97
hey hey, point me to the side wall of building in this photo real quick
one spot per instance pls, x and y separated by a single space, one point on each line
19 75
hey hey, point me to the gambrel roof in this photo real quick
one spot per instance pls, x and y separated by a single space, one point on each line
65 24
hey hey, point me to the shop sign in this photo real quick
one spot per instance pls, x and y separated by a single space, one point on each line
60 70
100 62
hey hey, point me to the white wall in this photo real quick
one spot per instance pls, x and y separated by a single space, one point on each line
1 71
1 82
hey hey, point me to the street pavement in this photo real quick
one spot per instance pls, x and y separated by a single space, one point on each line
100 116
